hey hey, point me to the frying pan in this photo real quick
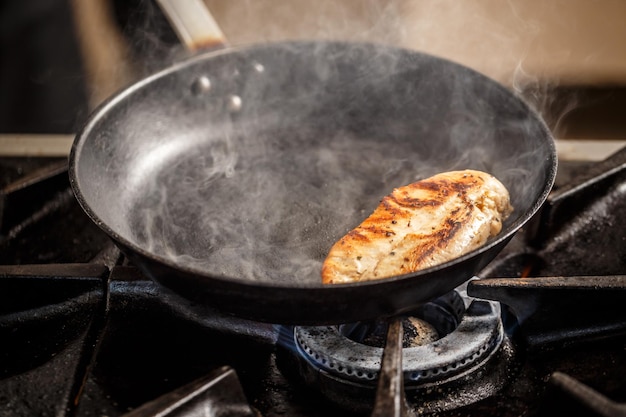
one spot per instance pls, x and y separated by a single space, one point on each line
228 176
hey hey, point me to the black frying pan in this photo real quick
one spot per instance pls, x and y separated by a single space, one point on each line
231 192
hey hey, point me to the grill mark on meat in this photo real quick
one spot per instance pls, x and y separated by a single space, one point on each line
444 185
413 202
356 235
440 239
391 209
417 203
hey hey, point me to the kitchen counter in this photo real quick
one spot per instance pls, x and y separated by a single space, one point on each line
60 145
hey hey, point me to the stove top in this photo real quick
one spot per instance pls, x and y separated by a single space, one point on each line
86 334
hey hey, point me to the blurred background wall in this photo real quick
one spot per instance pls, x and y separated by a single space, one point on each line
60 58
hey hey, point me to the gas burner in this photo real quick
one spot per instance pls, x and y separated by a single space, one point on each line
440 374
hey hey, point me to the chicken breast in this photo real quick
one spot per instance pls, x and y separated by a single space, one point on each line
421 225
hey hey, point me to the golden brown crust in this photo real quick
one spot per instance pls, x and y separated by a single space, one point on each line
420 225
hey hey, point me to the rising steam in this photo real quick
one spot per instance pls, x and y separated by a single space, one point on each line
259 189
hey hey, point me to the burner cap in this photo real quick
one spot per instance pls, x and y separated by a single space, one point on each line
478 333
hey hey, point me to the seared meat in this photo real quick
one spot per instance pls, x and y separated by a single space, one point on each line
421 225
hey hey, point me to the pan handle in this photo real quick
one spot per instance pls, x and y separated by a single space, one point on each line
193 23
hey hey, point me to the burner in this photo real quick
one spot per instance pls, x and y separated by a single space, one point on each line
438 374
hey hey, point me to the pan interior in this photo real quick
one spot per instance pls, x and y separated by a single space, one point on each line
260 191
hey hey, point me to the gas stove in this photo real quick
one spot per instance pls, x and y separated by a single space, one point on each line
542 332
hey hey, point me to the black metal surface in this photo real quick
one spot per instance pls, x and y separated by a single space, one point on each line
390 397
220 390
573 397
237 205
556 311
40 220
49 321
24 185
153 342
576 203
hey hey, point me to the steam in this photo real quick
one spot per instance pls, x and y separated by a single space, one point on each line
289 147
261 190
